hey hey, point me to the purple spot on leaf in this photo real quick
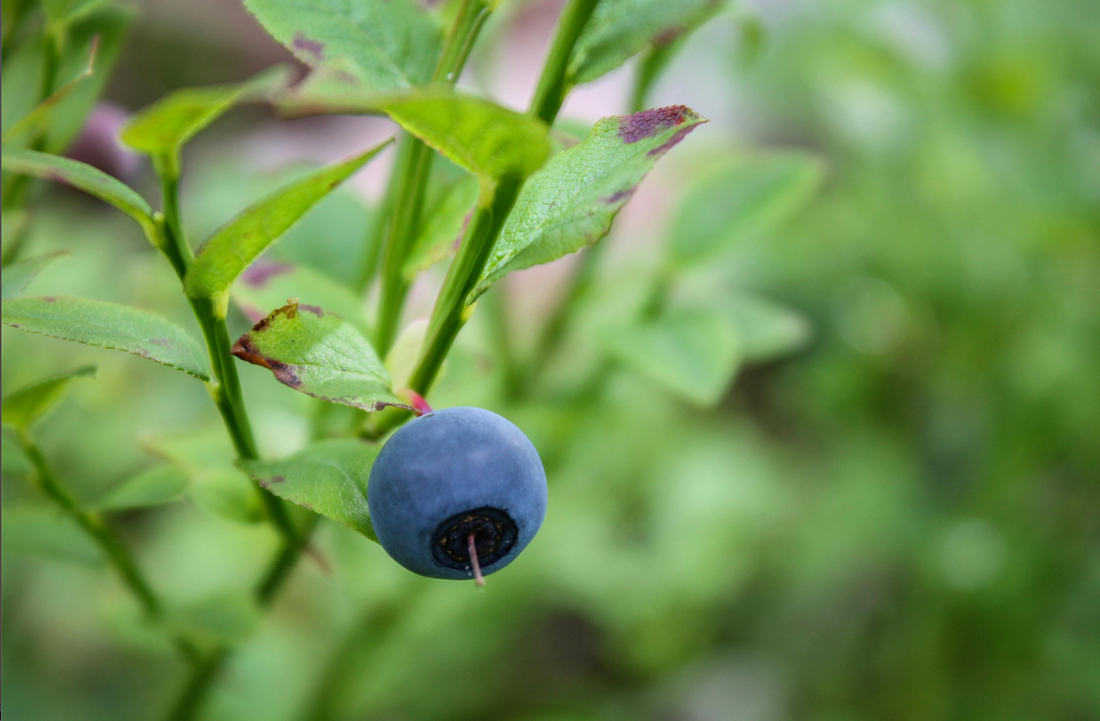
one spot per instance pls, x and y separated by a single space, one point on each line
162 342
312 309
259 273
313 48
619 196
648 123
668 144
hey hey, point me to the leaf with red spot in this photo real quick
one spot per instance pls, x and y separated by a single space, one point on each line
572 200
109 325
320 354
267 284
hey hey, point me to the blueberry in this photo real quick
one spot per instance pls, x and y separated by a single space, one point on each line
451 475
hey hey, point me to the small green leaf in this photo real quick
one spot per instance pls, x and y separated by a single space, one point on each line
46 534
319 354
620 28
571 202
152 487
27 405
693 353
108 325
484 138
384 44
236 244
267 284
443 225
164 127
767 330
83 177
746 197
17 276
215 485
35 123
329 477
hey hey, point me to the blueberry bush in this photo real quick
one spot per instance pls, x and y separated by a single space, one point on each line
737 359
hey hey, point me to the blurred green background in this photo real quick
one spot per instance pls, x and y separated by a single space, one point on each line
898 520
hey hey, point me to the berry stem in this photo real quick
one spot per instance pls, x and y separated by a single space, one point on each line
478 578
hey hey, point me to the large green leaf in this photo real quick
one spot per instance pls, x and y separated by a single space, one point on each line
152 487
693 353
571 202
83 177
329 477
384 44
164 127
17 276
747 196
109 325
319 354
240 241
27 405
766 330
268 284
620 28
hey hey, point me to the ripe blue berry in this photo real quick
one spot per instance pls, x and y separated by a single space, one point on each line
452 479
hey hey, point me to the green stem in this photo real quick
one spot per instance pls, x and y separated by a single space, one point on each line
554 84
96 527
198 685
409 181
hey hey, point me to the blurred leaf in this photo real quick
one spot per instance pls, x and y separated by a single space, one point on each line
109 325
268 284
384 44
34 123
748 196
25 406
329 477
443 224
62 11
164 127
571 202
46 534
13 462
236 244
227 619
215 484
17 276
152 487
766 330
693 353
620 28
484 138
319 354
83 177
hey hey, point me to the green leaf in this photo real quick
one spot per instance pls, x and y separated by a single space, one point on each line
402 358
329 477
767 330
164 127
226 619
746 197
268 284
693 353
17 276
620 28
108 325
240 241
35 123
215 485
46 534
152 487
319 354
83 177
443 225
13 462
384 44
26 406
489 141
571 202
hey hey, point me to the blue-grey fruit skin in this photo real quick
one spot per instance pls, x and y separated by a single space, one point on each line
445 464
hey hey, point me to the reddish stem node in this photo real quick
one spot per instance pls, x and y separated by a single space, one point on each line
478 578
